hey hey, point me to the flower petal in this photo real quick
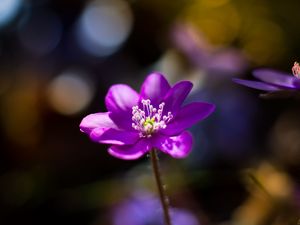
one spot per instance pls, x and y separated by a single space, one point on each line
121 97
96 120
177 146
257 85
187 116
155 87
119 101
130 152
275 78
176 96
114 136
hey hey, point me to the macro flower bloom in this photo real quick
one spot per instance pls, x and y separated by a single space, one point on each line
154 118
273 81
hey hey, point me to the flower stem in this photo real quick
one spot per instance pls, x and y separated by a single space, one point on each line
162 194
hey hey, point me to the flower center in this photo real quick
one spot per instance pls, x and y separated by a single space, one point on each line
296 70
149 119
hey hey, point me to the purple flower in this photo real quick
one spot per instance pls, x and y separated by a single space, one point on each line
143 209
154 118
272 81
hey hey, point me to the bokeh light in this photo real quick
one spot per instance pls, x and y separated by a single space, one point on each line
70 92
41 32
9 10
249 24
220 22
259 45
104 26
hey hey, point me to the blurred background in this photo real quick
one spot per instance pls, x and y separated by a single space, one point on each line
59 57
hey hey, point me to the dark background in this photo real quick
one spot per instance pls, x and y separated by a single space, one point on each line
59 57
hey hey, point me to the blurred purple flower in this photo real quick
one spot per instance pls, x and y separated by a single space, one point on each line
145 209
272 81
192 43
154 118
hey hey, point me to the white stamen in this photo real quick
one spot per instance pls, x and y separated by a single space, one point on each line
149 120
296 70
